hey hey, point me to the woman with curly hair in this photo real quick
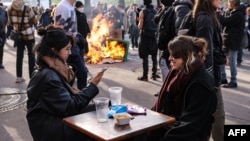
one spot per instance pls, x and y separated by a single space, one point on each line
187 93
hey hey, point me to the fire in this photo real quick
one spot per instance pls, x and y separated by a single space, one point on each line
100 45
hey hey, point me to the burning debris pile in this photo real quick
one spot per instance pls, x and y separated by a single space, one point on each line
100 45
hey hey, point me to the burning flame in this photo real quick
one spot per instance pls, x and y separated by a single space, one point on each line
100 45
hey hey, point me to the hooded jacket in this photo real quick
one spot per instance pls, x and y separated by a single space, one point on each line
15 12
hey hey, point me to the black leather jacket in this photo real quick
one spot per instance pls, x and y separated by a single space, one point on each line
50 99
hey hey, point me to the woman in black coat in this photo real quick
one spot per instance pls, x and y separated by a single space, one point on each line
51 96
187 94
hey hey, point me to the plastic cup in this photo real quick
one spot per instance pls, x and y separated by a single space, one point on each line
115 95
102 108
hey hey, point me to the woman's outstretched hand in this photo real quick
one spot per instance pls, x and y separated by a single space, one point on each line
97 78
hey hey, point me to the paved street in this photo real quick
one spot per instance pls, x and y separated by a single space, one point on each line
13 124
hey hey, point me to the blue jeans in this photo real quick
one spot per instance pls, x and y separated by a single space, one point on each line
164 68
19 57
232 56
240 55
76 59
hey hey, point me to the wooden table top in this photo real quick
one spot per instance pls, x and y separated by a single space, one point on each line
109 131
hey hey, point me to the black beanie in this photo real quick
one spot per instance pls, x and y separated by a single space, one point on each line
147 2
167 2
78 4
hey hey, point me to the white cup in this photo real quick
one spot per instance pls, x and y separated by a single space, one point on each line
102 108
115 95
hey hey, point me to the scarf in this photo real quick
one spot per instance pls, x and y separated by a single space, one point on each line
62 69
172 92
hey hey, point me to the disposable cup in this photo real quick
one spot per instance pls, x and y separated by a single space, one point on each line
115 95
102 108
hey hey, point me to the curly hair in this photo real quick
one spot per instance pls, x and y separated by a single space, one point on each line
188 48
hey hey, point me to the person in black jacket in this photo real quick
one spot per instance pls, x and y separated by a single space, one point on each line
187 93
233 31
207 26
147 40
51 96
82 26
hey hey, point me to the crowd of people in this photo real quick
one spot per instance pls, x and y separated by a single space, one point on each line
197 104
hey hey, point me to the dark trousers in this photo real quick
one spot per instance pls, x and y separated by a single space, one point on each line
2 42
145 65
19 56
76 59
134 35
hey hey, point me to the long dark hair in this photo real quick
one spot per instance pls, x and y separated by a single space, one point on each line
206 6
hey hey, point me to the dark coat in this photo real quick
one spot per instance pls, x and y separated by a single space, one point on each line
50 99
182 8
82 24
234 25
196 118
206 29
147 40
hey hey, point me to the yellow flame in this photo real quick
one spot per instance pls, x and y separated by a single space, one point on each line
100 46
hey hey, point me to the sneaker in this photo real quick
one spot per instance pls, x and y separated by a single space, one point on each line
19 79
1 66
230 85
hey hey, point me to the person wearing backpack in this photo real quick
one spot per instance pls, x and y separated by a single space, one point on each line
147 41
161 18
207 26
169 21
3 23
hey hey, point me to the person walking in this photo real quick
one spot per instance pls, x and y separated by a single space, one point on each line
65 18
51 96
147 41
3 23
15 11
233 31
188 93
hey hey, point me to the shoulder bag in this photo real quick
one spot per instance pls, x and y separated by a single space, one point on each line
16 35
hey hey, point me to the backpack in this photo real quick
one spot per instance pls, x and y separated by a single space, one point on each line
166 31
3 19
187 25
149 25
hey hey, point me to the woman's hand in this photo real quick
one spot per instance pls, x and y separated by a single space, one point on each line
97 78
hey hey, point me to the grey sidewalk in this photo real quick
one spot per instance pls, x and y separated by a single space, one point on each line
13 124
